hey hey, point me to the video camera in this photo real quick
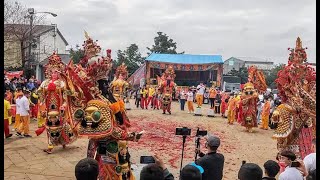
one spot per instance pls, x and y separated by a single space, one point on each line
147 160
201 133
198 134
183 131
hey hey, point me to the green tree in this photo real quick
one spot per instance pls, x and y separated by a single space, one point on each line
242 74
76 55
131 57
163 44
272 75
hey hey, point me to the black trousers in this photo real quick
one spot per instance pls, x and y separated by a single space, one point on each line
212 102
217 109
182 103
137 102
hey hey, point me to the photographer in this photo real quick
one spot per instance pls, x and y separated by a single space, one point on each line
212 162
295 169
156 171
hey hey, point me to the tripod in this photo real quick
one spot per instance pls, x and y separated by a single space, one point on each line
183 142
197 147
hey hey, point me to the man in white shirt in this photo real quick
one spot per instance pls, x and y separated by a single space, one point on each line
310 160
199 96
292 172
24 105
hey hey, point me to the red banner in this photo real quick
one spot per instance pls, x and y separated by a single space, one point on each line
135 78
12 74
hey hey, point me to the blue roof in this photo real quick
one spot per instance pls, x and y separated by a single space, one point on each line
185 58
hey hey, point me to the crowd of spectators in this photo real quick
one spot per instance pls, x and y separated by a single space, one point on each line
210 167
15 83
21 104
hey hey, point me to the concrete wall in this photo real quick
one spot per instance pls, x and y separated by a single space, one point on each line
12 52
45 46
237 64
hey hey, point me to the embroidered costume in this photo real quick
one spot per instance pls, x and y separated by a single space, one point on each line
54 94
166 86
249 98
102 116
296 116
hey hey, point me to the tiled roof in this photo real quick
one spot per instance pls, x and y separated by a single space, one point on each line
252 59
24 29
65 58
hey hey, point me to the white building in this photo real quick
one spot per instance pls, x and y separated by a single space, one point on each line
47 40
238 62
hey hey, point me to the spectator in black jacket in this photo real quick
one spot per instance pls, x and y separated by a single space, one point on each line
312 175
250 171
137 97
212 162
156 171
271 169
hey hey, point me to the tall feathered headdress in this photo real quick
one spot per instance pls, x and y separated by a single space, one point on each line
54 63
122 69
169 72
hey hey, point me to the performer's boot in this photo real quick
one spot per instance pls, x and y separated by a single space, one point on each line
164 112
49 150
64 146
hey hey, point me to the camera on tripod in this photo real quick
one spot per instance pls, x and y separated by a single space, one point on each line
201 133
198 135
183 131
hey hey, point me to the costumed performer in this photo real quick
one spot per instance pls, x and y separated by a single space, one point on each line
231 109
53 92
167 86
224 103
103 120
296 116
265 114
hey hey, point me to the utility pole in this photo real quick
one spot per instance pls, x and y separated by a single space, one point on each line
54 36
31 13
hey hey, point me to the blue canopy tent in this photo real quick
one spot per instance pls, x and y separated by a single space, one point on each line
189 69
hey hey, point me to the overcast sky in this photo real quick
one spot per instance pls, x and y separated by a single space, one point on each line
250 28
